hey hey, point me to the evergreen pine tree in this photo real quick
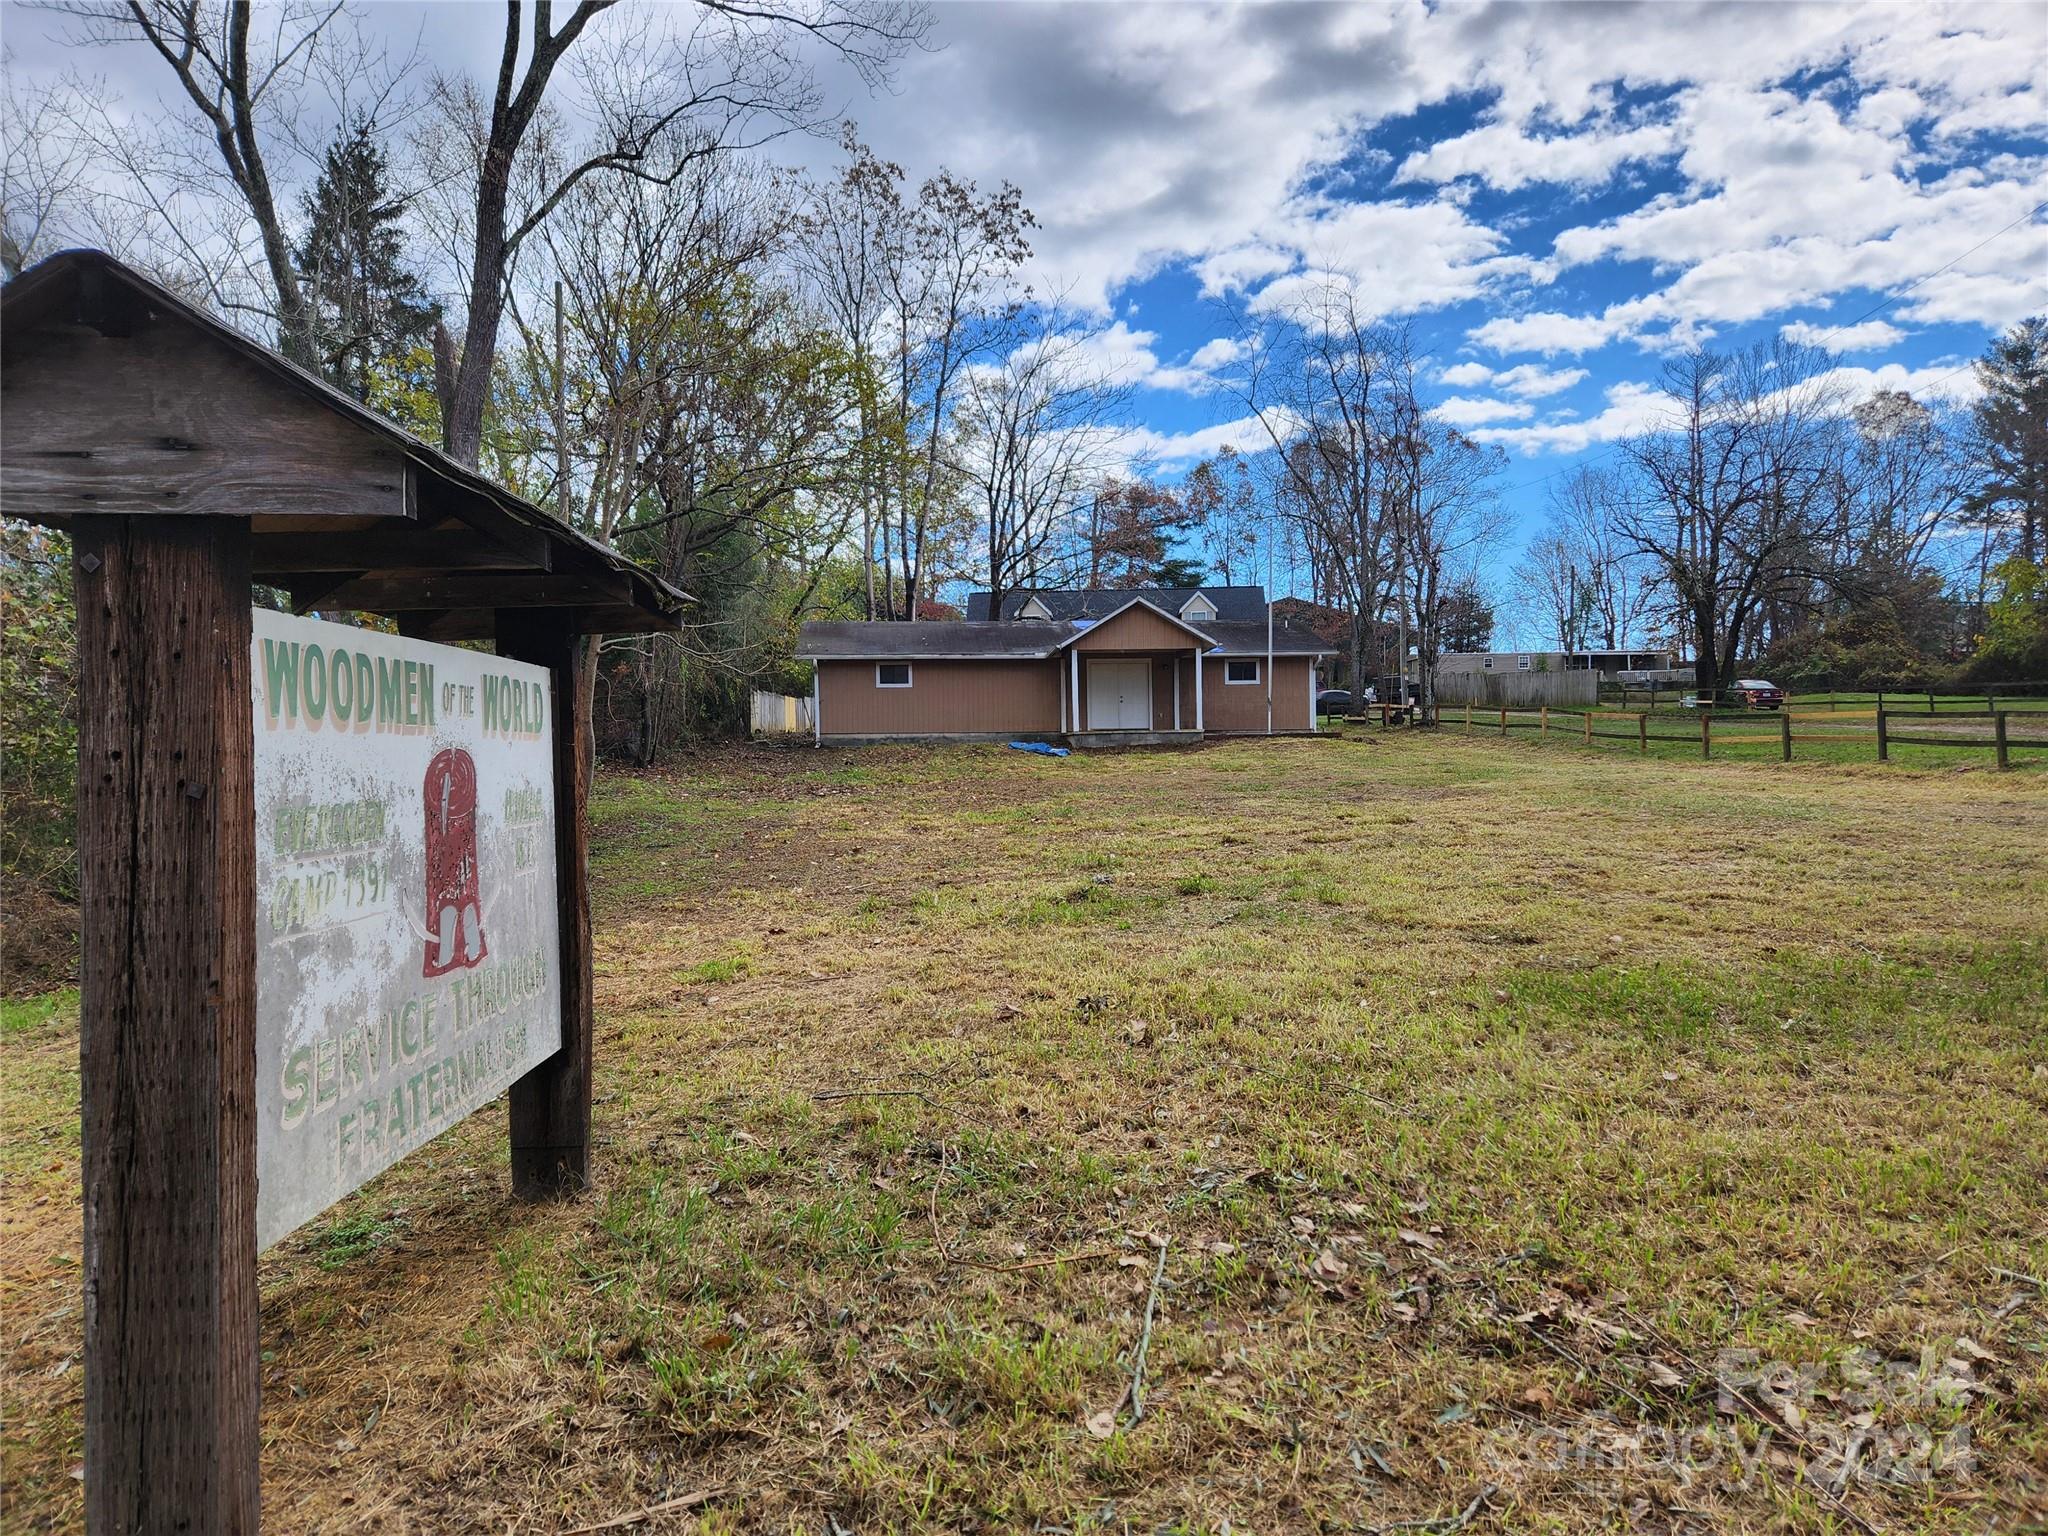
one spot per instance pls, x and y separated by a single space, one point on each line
368 310
2011 422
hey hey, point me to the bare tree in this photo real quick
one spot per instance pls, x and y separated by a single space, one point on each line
45 159
924 289
1035 442
251 87
1447 509
731 72
1317 375
709 412
1580 576
1730 495
1222 504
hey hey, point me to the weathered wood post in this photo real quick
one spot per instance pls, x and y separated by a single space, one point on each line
550 1105
1543 730
1785 732
1588 717
1706 733
1468 714
1884 748
1503 722
167 1023
1998 738
1643 732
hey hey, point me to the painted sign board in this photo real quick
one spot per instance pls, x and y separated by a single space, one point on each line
407 968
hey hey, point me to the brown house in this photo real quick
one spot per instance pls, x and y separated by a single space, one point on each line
1093 668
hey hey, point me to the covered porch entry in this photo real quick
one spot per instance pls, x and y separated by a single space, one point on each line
1134 679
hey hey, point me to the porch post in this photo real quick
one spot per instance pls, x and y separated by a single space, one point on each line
817 718
1198 688
1079 726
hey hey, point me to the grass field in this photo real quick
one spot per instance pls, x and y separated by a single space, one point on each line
1498 1139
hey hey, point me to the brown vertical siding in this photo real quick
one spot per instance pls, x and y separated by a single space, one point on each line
1230 707
944 698
1136 629
1162 693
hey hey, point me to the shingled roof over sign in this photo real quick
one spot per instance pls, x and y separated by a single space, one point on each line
123 399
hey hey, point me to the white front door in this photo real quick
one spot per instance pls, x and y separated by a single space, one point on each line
1120 695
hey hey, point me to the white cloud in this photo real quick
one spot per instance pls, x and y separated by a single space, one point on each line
1868 336
1634 407
1631 408
1469 411
1467 375
1176 450
1507 159
1532 381
1950 380
1216 353
1546 331
1122 355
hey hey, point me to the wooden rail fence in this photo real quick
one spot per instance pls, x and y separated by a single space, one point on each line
1886 735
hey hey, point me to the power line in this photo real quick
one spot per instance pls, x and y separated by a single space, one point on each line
1875 309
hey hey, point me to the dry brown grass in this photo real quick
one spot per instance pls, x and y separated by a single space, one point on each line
1482 1095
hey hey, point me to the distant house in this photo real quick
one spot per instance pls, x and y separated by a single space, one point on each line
1092 666
1609 664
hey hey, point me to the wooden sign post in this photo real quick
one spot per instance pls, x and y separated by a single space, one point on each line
189 465
167 1024
551 1104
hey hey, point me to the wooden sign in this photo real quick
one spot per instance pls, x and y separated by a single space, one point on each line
408 942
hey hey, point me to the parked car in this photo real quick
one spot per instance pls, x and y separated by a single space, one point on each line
1755 693
1334 701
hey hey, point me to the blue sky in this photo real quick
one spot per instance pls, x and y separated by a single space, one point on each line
1551 196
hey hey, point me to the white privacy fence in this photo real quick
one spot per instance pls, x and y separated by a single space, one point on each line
779 714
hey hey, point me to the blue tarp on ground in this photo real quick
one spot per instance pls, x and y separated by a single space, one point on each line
1045 749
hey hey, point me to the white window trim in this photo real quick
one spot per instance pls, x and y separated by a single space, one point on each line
1241 682
1524 663
1486 663
1034 609
908 674
1198 606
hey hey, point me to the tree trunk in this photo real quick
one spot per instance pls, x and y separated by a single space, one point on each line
462 412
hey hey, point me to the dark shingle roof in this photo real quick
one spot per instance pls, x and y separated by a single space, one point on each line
968 639
1233 604
929 640
1250 640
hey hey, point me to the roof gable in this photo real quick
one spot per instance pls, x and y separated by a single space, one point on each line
1127 612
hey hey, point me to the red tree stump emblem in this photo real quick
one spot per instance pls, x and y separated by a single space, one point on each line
455 912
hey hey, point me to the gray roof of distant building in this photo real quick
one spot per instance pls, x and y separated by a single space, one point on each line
1241 605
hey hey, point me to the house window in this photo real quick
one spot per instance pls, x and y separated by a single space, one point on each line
1240 671
892 674
1487 663
1521 663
